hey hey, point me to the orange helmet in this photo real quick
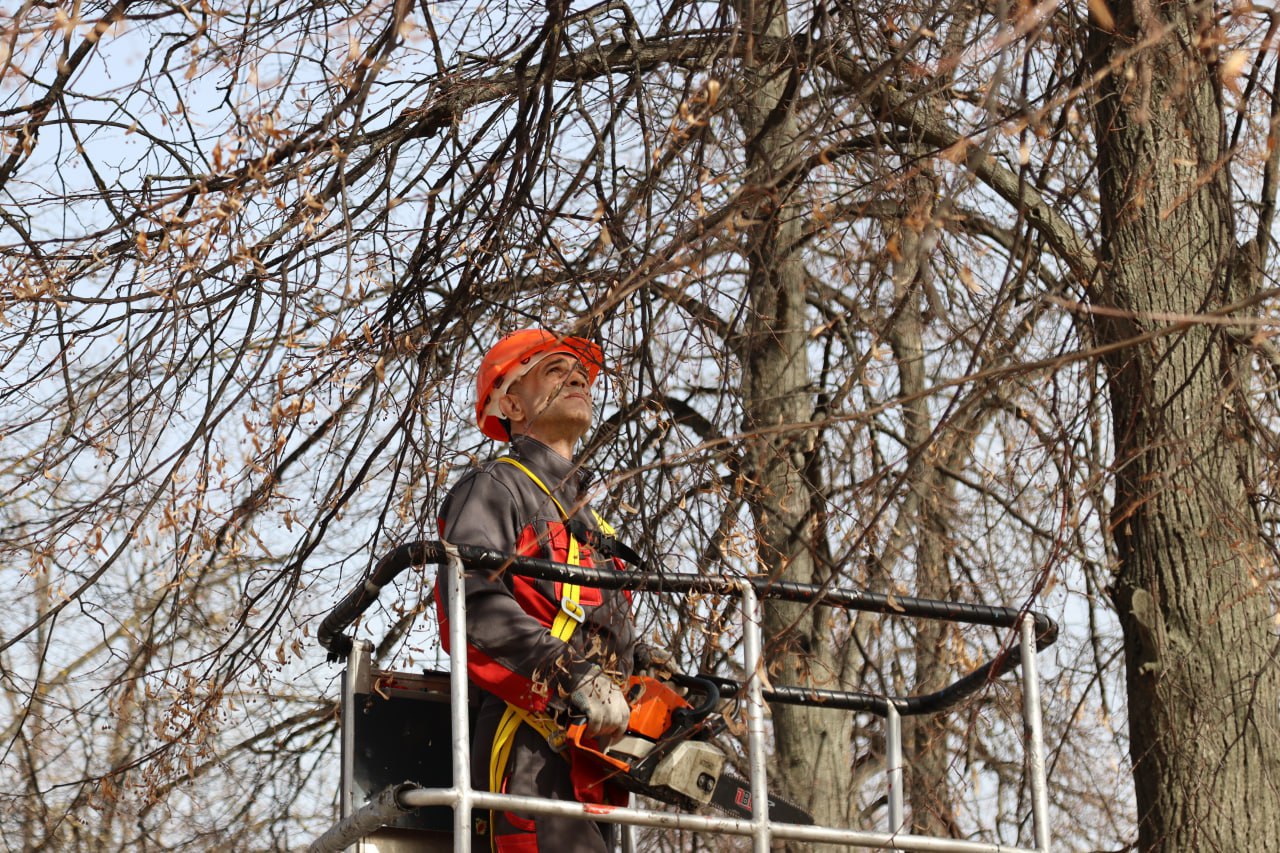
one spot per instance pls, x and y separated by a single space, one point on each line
512 357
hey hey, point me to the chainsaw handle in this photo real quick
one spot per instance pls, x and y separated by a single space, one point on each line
711 698
576 735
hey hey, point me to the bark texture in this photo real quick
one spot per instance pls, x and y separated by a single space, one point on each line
928 786
1200 647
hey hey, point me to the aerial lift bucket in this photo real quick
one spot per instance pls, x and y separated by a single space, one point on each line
399 744
396 729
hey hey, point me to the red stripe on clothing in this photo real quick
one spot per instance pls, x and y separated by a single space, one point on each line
519 842
490 675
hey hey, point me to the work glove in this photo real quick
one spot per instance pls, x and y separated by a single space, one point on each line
654 662
602 702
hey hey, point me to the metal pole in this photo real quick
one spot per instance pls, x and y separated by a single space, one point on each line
706 824
379 811
355 660
629 830
1034 734
894 770
458 701
752 646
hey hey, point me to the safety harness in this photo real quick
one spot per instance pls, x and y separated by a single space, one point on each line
568 618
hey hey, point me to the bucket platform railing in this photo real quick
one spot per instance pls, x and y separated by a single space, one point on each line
1034 631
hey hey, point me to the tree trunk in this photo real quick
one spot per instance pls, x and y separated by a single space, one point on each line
811 743
928 761
1200 655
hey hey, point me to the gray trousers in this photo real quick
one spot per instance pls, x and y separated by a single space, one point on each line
533 770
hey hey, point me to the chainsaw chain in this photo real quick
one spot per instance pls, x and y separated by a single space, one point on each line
661 795
689 805
773 799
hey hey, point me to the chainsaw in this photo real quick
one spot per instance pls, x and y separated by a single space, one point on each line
667 752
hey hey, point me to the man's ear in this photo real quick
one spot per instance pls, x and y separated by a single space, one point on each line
512 408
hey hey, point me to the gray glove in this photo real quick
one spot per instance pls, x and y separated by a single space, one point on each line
606 709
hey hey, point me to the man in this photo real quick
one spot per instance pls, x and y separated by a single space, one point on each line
537 647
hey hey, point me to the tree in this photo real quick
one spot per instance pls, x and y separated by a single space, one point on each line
776 464
937 299
1190 583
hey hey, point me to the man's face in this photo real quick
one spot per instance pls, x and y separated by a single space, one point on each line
554 395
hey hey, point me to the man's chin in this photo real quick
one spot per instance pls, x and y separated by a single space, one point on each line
567 419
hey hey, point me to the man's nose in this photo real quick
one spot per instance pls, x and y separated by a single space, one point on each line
578 378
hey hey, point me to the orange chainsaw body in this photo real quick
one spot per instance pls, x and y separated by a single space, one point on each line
653 705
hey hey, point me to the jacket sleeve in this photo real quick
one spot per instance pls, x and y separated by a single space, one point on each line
509 653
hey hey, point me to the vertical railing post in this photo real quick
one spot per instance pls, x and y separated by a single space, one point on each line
894 769
1034 734
753 660
629 830
458 700
356 672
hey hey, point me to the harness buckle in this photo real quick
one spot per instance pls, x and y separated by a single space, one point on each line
557 739
572 609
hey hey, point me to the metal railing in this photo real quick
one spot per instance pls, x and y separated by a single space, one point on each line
1035 631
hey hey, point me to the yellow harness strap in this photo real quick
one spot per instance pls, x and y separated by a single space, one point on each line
504 736
566 622
571 613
